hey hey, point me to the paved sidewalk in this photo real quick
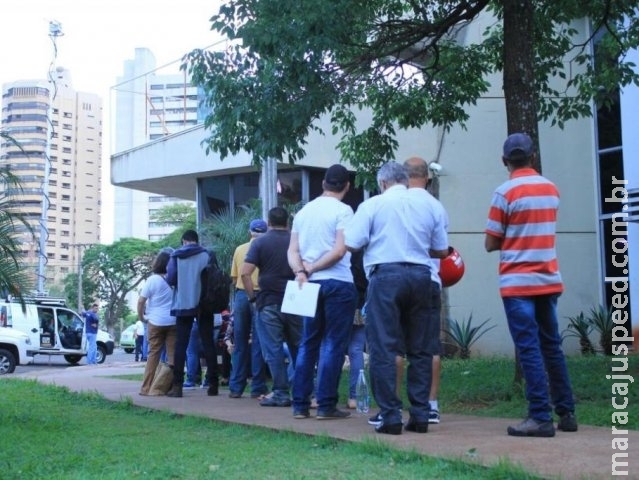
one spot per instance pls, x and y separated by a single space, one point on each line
582 455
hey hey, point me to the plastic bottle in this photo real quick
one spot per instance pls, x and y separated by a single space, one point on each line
361 393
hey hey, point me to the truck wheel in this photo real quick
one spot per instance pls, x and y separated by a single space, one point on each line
73 359
7 362
102 354
128 350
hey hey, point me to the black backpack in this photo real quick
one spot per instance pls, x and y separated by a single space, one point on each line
216 287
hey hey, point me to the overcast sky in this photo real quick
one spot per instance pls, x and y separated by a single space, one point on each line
99 35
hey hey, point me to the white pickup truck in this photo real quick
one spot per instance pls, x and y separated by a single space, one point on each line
13 350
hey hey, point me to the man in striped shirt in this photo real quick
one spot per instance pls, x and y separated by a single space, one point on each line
521 224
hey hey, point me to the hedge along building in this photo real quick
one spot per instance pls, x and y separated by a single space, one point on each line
581 159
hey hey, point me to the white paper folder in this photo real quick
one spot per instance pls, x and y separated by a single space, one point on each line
300 301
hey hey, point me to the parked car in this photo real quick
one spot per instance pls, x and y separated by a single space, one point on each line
127 339
53 328
13 349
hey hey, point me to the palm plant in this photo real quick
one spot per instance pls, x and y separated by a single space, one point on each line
14 278
226 230
601 320
581 327
464 335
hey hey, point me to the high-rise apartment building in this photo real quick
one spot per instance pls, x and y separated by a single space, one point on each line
59 165
150 104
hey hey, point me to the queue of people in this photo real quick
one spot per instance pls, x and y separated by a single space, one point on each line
386 299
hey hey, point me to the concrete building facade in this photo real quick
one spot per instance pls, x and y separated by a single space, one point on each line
60 167
581 159
149 105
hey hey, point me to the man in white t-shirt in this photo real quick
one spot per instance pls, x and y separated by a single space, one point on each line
317 254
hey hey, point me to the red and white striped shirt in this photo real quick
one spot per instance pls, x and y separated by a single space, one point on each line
523 213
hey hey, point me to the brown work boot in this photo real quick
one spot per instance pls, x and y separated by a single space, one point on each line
175 392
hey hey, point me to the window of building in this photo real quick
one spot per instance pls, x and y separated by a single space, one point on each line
216 195
613 226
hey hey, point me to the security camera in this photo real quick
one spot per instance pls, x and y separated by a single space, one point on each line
435 167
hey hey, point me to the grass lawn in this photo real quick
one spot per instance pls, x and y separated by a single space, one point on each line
50 432
484 386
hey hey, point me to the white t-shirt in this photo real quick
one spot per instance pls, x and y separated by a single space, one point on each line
139 329
159 297
316 226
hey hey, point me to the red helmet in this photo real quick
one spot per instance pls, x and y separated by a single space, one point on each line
451 268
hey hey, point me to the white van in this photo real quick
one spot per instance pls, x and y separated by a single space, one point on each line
54 329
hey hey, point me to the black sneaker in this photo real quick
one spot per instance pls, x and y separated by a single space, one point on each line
414 426
567 422
333 414
532 428
376 420
433 416
389 428
275 402
301 414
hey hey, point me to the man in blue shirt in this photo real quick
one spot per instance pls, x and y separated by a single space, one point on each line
91 323
401 233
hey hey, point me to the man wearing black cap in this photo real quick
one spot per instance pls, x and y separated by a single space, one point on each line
246 358
317 253
521 224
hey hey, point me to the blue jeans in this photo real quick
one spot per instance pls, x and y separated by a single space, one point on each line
247 356
324 342
145 342
356 357
92 348
139 341
193 354
533 326
398 321
274 328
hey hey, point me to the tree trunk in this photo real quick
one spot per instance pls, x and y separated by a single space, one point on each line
519 84
519 71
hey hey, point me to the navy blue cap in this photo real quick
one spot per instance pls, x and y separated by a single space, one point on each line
518 142
258 226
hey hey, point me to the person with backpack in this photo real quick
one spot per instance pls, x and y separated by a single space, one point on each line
185 272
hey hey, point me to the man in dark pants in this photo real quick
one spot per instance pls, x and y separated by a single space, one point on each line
521 225
401 233
269 254
184 273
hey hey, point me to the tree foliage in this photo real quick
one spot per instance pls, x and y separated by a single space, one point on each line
177 214
180 215
289 62
118 269
89 289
